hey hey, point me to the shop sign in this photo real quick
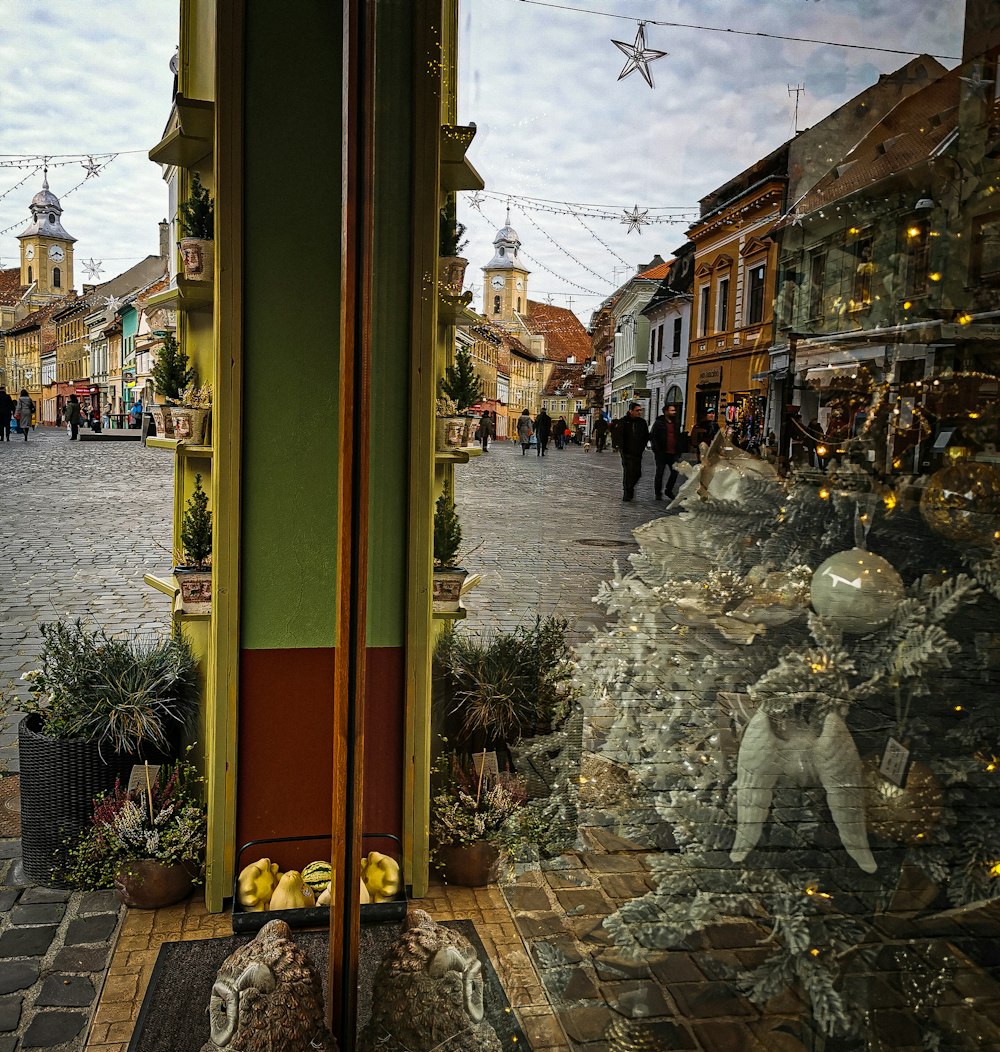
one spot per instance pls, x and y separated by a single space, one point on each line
709 376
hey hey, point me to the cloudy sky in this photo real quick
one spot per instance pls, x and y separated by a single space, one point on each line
539 80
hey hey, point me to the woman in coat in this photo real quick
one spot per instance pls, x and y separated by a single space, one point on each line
23 409
525 429
72 415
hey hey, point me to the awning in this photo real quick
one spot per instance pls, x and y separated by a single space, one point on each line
827 357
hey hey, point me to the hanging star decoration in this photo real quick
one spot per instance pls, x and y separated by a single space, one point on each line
635 219
93 268
112 303
477 200
975 86
91 167
638 55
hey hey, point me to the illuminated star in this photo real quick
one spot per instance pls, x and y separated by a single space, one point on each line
93 268
975 85
639 56
113 303
635 219
91 167
476 200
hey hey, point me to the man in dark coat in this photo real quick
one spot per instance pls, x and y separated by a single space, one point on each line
632 438
667 444
601 433
6 412
543 428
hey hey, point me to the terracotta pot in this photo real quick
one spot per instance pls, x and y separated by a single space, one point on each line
451 274
196 589
469 865
189 424
148 885
197 258
448 583
163 418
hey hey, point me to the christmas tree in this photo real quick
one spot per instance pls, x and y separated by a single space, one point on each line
797 678
460 382
171 373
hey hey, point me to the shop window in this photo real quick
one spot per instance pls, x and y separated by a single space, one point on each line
756 280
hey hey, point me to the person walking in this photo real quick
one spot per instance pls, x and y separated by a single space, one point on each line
632 438
23 410
524 430
704 431
561 430
486 431
71 414
615 431
666 441
6 412
601 433
543 428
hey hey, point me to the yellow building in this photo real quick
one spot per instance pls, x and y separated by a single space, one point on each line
46 249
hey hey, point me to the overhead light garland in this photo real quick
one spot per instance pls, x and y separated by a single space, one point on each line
665 214
638 56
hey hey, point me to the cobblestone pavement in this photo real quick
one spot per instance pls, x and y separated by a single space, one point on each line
543 532
81 524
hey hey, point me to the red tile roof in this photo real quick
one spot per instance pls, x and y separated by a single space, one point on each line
658 272
11 289
565 336
566 381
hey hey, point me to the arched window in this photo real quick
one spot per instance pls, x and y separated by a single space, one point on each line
56 278
496 300
518 304
30 276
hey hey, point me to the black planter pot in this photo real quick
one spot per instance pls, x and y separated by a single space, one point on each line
59 780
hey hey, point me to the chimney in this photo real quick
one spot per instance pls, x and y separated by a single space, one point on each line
164 239
87 289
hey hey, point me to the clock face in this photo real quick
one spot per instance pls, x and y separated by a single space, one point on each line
497 282
520 285
29 252
56 253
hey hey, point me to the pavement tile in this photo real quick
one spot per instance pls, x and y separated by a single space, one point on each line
10 1013
99 902
33 895
17 975
81 959
10 848
574 878
709 999
26 942
599 863
528 897
726 1037
584 902
532 927
40 913
7 898
585 1024
89 929
66 991
555 953
48 1029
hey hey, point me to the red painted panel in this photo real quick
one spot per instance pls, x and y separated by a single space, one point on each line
285 734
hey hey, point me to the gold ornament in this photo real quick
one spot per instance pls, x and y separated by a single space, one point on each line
856 591
908 814
962 502
727 470
624 1035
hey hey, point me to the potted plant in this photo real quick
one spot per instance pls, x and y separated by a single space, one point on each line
98 705
451 264
449 425
473 819
198 232
461 384
148 841
171 373
190 418
193 571
448 576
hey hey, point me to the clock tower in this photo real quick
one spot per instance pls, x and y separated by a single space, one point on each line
505 284
46 249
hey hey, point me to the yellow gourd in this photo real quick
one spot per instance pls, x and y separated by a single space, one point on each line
326 894
256 884
380 875
292 893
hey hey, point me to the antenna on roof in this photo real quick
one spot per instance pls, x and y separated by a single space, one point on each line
797 90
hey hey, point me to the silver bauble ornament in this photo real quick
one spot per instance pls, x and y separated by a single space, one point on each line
856 591
962 502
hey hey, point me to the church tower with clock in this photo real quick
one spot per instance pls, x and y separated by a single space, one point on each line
46 249
505 284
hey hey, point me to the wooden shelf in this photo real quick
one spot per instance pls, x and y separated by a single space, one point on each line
454 310
451 615
462 455
190 133
456 172
168 586
185 295
183 449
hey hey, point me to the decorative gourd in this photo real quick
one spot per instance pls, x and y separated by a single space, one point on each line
326 894
381 876
291 893
317 875
256 884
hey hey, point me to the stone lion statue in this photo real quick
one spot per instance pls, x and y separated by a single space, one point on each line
268 997
428 994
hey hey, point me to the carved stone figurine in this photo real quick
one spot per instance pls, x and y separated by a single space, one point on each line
268 997
428 994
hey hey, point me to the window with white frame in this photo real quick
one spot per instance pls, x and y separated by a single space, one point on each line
756 280
722 304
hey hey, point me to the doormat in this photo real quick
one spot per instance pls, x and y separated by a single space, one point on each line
174 1012
10 806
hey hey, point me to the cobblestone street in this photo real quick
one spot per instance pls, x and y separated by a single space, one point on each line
82 522
543 532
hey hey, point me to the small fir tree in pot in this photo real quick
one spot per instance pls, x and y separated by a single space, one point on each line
194 575
451 265
171 372
448 577
460 382
197 220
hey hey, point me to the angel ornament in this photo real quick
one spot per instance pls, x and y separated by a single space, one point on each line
786 748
